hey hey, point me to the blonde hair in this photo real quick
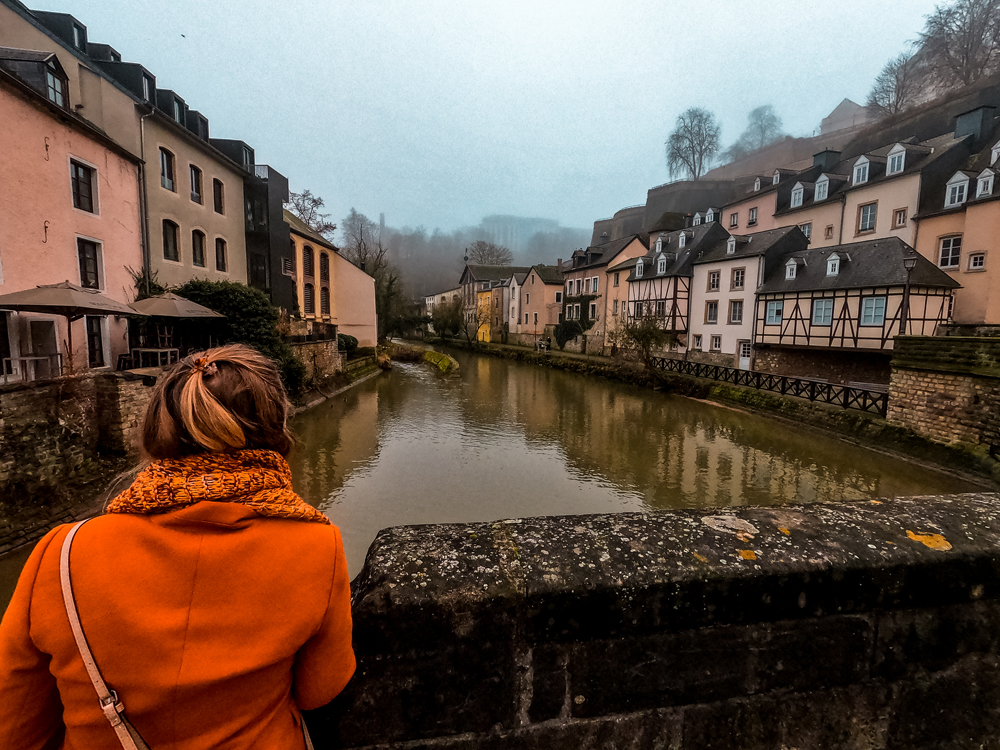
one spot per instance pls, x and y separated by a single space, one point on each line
223 399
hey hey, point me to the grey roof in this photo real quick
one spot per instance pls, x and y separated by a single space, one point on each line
26 55
601 255
493 273
872 263
679 259
747 245
549 274
519 278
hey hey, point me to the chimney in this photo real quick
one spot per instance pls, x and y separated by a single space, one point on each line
687 220
559 263
977 122
826 160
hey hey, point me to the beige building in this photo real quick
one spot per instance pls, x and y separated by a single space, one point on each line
541 297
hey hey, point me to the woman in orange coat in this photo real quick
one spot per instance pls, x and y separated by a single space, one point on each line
215 601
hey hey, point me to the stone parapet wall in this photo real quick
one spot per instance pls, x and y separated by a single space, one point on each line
947 389
321 358
845 625
834 366
712 358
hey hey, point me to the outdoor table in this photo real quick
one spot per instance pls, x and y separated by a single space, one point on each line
163 356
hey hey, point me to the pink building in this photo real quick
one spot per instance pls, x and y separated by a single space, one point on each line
69 210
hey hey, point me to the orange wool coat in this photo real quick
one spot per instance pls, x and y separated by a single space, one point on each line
214 625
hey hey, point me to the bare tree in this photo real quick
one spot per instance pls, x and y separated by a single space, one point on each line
307 207
489 254
763 128
693 143
961 42
363 247
896 87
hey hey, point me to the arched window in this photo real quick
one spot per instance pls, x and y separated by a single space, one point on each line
309 303
170 241
307 261
324 267
324 300
198 248
220 255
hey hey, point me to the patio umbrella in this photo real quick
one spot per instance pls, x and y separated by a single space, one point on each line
169 305
66 299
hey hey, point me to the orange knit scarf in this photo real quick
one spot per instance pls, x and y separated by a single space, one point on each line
259 479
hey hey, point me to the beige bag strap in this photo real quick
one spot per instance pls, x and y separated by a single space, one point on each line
111 706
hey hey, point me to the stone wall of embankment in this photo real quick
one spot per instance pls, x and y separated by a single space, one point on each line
845 625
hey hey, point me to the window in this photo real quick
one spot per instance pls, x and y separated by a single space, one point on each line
55 86
951 249
198 249
710 216
90 267
977 261
661 308
307 261
558 296
985 184
569 288
526 318
218 193
807 230
716 343
828 232
731 246
797 195
822 312
866 217
324 300
752 220
697 342
308 302
899 218
616 278
659 244
737 279
861 171
535 318
896 163
288 264
148 88
736 311
776 177
682 239
170 241
578 282
95 341
734 219
712 312
661 265
872 311
576 311
614 308
697 220
833 265
220 255
956 191
774 311
594 285
790 270
713 281
195 184
166 169
247 157
995 154
756 184
822 189
324 267
527 298
79 37
638 269
81 178
593 311
178 112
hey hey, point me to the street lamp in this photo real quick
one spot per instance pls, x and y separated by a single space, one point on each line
909 263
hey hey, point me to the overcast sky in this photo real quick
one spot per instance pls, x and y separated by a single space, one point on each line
439 113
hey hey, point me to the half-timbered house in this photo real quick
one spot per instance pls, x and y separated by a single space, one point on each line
832 313
726 274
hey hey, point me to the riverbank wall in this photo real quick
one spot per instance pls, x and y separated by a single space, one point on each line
844 625
894 434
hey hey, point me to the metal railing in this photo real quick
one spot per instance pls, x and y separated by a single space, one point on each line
848 397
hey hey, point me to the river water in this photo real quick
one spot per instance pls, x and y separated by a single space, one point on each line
508 440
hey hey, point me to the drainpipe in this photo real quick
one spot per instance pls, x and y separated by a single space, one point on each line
147 261
843 207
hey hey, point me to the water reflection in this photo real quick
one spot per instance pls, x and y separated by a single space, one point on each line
513 440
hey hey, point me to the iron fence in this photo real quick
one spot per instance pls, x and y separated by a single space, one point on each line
848 397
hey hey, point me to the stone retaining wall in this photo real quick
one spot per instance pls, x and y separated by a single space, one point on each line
948 389
846 625
835 366
321 358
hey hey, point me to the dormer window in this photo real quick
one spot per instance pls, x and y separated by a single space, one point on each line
148 88
833 265
861 171
247 157
79 37
682 240
177 110
756 184
55 85
995 154
985 183
822 189
661 265
659 244
790 269
697 219
797 193
710 216
897 160
638 269
731 246
956 190
776 177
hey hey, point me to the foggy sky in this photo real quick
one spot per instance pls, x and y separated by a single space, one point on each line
439 113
